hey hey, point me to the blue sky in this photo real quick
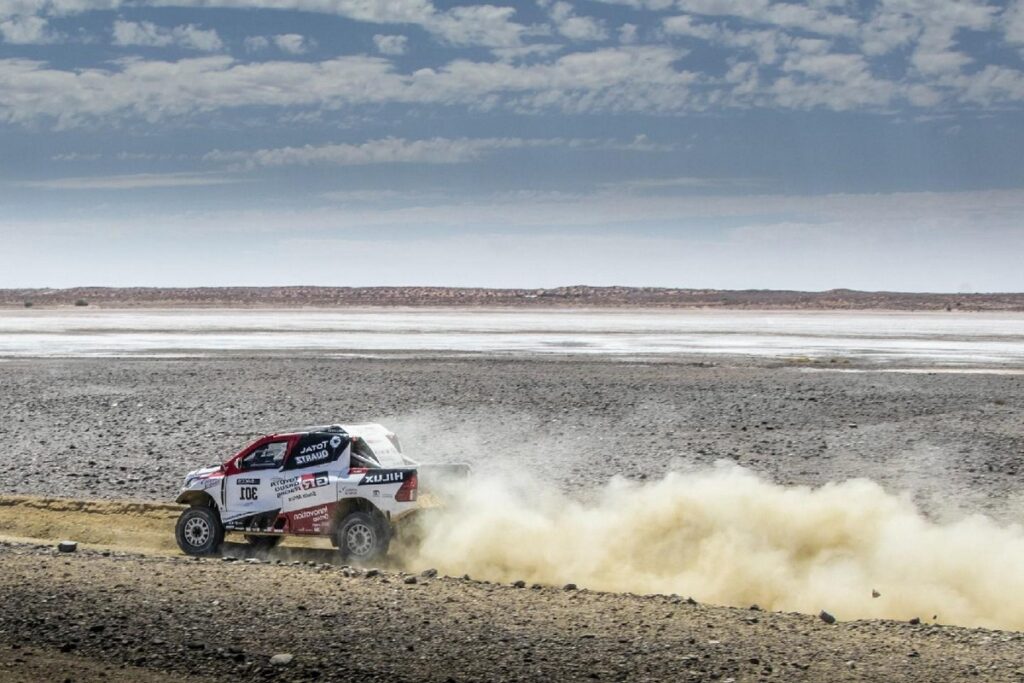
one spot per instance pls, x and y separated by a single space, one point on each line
695 143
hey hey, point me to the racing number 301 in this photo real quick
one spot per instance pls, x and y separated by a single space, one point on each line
247 493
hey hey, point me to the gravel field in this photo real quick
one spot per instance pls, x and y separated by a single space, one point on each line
120 429
131 618
131 428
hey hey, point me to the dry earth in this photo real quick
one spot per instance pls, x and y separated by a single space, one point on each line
129 429
110 616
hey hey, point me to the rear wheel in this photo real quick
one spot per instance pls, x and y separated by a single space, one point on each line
263 542
362 537
199 531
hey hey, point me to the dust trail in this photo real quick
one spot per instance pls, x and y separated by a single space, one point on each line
727 536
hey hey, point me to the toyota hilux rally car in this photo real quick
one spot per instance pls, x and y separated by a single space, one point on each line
350 483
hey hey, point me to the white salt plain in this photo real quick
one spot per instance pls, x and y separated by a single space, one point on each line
959 339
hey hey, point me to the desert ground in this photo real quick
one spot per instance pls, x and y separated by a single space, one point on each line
122 432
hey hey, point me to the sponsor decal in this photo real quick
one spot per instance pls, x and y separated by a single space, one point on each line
312 513
247 481
383 477
350 492
314 480
316 449
210 483
314 520
282 487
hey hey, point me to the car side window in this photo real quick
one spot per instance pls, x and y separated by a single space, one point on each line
268 456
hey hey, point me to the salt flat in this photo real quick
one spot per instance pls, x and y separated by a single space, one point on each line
959 339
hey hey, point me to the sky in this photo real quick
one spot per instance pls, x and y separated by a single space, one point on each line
681 143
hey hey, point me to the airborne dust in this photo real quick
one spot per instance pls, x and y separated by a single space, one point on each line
727 536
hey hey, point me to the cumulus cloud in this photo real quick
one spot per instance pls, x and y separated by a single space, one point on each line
148 34
293 43
613 79
27 30
571 26
256 43
390 45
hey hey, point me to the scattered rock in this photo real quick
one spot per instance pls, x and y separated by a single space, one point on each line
875 594
67 546
370 573
519 584
569 587
409 580
755 608
428 573
826 617
915 621
282 659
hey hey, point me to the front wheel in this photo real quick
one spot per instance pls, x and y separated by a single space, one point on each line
362 537
199 531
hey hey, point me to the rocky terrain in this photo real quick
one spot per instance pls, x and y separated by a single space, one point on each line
91 615
575 296
131 428
127 607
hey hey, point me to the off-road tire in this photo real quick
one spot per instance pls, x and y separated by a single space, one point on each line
362 537
199 531
263 542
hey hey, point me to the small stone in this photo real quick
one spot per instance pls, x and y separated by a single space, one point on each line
691 601
915 621
370 573
875 594
409 580
826 617
282 659
519 584
755 608
67 546
569 587
428 573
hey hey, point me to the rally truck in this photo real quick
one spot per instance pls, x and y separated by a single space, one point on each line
350 483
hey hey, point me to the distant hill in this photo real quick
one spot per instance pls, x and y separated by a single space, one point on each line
574 296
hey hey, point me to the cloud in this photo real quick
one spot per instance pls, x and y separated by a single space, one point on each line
293 43
130 182
511 54
463 25
401 151
613 79
27 30
391 45
256 43
628 34
812 19
148 34
571 26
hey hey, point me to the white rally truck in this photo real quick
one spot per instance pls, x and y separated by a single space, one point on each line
350 483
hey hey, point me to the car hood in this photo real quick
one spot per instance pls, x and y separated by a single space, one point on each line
202 473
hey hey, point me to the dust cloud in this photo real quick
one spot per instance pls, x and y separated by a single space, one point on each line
727 536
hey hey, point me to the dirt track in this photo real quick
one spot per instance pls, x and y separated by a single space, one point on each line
170 618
